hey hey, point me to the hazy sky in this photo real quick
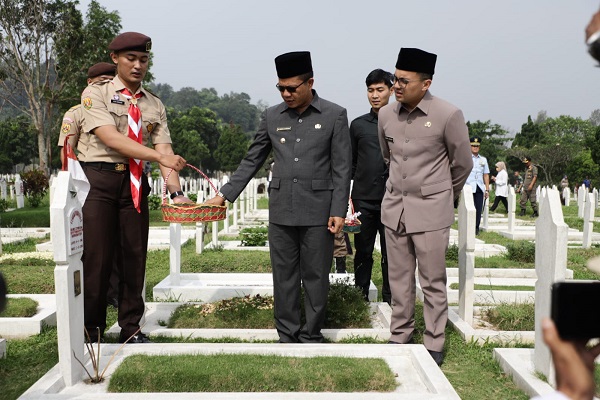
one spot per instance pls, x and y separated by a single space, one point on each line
497 60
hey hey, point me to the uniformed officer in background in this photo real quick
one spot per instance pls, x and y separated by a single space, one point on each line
109 158
528 192
308 193
72 120
425 142
478 180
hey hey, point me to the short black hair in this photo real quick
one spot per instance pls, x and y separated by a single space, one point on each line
306 76
424 76
380 76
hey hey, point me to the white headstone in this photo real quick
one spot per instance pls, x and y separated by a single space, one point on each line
66 223
486 213
588 222
19 192
581 197
200 225
550 266
175 253
3 188
595 192
466 254
512 205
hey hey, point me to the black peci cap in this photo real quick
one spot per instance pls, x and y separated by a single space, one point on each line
416 60
293 64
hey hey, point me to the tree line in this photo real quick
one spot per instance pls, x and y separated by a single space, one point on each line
46 47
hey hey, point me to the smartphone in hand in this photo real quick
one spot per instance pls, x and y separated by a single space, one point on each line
575 309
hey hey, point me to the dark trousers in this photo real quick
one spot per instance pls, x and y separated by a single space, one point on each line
300 255
478 198
497 201
370 218
108 214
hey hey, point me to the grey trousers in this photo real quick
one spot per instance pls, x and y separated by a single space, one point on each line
403 251
300 255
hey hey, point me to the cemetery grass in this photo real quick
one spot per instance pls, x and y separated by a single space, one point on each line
22 307
251 373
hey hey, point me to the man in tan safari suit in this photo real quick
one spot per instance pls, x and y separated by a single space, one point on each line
425 142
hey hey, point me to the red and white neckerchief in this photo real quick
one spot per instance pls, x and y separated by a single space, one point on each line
134 120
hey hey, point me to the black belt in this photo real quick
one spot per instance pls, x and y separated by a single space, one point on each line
119 167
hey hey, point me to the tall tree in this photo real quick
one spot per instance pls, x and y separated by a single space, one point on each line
195 134
17 142
595 117
233 145
42 45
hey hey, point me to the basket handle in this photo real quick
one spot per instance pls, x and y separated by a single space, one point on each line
164 191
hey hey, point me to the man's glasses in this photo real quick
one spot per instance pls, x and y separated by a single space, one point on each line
403 82
290 89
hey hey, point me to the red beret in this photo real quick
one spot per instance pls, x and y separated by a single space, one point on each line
102 68
131 41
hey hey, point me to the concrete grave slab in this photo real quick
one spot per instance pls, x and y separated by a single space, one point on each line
418 376
211 287
24 327
159 313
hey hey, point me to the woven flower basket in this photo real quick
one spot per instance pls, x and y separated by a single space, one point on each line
351 225
182 213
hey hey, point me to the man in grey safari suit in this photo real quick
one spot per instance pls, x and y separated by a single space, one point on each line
425 142
308 193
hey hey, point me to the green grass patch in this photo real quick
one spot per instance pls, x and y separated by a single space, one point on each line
251 373
346 308
24 246
27 217
511 316
19 307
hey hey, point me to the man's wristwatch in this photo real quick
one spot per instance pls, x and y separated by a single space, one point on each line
177 193
221 195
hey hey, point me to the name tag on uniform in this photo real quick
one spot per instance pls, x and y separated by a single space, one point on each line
121 102
284 128
389 139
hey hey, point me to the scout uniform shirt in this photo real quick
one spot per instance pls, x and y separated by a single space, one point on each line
104 104
71 125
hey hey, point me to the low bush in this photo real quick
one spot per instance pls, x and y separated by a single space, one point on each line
35 186
521 251
254 236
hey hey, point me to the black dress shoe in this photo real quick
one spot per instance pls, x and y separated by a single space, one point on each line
138 338
437 356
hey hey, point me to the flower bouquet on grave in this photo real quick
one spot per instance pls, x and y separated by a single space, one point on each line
352 223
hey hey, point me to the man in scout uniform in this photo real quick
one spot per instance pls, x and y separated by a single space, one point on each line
71 124
308 193
529 188
370 173
119 117
478 180
425 142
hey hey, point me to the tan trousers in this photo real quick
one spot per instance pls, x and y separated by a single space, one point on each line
339 245
429 249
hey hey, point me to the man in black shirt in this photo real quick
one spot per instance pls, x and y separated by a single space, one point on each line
370 173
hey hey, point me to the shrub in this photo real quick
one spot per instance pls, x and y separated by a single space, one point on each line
35 185
452 253
521 251
4 205
154 202
254 236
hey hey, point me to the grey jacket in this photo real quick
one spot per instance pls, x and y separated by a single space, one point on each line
312 163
